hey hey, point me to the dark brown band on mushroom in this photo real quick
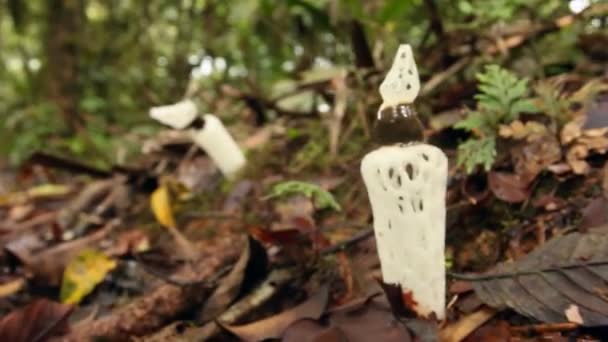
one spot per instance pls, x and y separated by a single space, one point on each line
398 124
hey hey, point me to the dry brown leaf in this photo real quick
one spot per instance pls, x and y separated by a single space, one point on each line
368 319
36 322
595 132
595 213
572 130
492 331
20 212
274 326
605 181
518 130
457 331
598 144
248 269
198 174
510 188
11 287
532 157
576 159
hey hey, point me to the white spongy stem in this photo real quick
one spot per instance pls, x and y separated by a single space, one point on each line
178 115
406 185
215 139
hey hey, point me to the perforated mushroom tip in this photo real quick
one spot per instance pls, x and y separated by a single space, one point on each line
397 121
406 187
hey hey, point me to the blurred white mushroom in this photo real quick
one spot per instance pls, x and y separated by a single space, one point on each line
179 115
219 145
210 134
406 184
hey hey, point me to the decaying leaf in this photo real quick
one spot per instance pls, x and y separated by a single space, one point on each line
533 157
83 273
595 213
572 130
11 287
37 321
460 329
510 188
518 130
250 267
367 320
567 270
274 326
576 159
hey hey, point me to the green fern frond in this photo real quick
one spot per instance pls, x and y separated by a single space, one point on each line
321 198
475 152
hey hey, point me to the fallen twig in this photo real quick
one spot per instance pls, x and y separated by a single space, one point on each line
347 243
544 328
153 310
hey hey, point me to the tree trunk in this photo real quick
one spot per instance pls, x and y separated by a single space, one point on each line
65 18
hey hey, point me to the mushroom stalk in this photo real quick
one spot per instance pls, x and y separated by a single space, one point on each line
215 139
209 134
406 184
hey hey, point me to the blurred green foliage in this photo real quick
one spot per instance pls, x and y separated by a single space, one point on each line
130 55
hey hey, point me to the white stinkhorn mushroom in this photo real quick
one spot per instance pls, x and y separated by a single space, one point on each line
406 182
210 134
179 115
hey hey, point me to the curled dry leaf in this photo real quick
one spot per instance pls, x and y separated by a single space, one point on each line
274 326
567 270
250 267
510 188
576 159
37 321
518 130
572 130
532 157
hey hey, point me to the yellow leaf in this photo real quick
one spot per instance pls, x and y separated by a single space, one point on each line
83 273
161 206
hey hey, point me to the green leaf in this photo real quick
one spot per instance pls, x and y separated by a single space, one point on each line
322 198
475 152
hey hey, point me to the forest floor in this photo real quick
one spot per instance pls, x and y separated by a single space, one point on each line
167 249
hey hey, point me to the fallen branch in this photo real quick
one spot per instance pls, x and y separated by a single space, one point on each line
153 310
248 304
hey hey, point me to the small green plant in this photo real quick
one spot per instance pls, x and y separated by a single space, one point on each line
321 198
501 99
